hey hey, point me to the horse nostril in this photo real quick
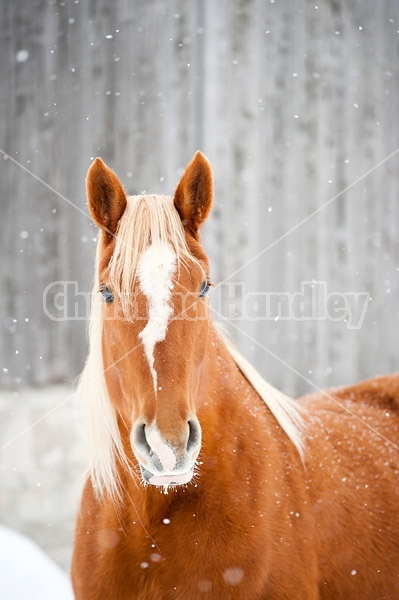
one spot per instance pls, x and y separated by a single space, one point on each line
194 435
140 439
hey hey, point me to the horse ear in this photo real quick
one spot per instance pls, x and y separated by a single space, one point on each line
105 195
194 194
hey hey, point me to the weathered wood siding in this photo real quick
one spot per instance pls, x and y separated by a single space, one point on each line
292 101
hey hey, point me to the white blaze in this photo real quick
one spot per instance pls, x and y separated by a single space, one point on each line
155 275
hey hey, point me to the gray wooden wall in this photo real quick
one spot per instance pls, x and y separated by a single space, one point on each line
293 101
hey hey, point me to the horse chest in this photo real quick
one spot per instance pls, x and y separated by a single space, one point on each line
177 558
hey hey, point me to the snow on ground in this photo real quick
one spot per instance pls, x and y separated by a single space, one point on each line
42 466
27 573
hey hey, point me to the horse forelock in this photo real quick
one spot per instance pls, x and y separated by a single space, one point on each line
148 221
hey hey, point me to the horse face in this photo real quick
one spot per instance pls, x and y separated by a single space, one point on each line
159 381
153 356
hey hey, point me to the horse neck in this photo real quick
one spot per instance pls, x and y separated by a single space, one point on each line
227 400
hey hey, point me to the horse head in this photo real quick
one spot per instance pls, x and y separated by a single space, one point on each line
152 277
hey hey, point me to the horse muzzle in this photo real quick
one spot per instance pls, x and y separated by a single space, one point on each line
166 461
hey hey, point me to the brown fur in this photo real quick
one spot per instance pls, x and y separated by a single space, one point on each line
256 523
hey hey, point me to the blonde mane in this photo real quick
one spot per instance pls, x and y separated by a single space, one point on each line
147 220
285 410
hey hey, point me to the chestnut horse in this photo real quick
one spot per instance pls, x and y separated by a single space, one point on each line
205 481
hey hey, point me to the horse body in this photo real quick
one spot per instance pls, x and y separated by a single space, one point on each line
257 520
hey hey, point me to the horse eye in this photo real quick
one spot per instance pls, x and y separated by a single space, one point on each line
204 289
106 294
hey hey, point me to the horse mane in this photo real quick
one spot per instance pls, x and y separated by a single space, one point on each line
287 412
105 447
146 220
